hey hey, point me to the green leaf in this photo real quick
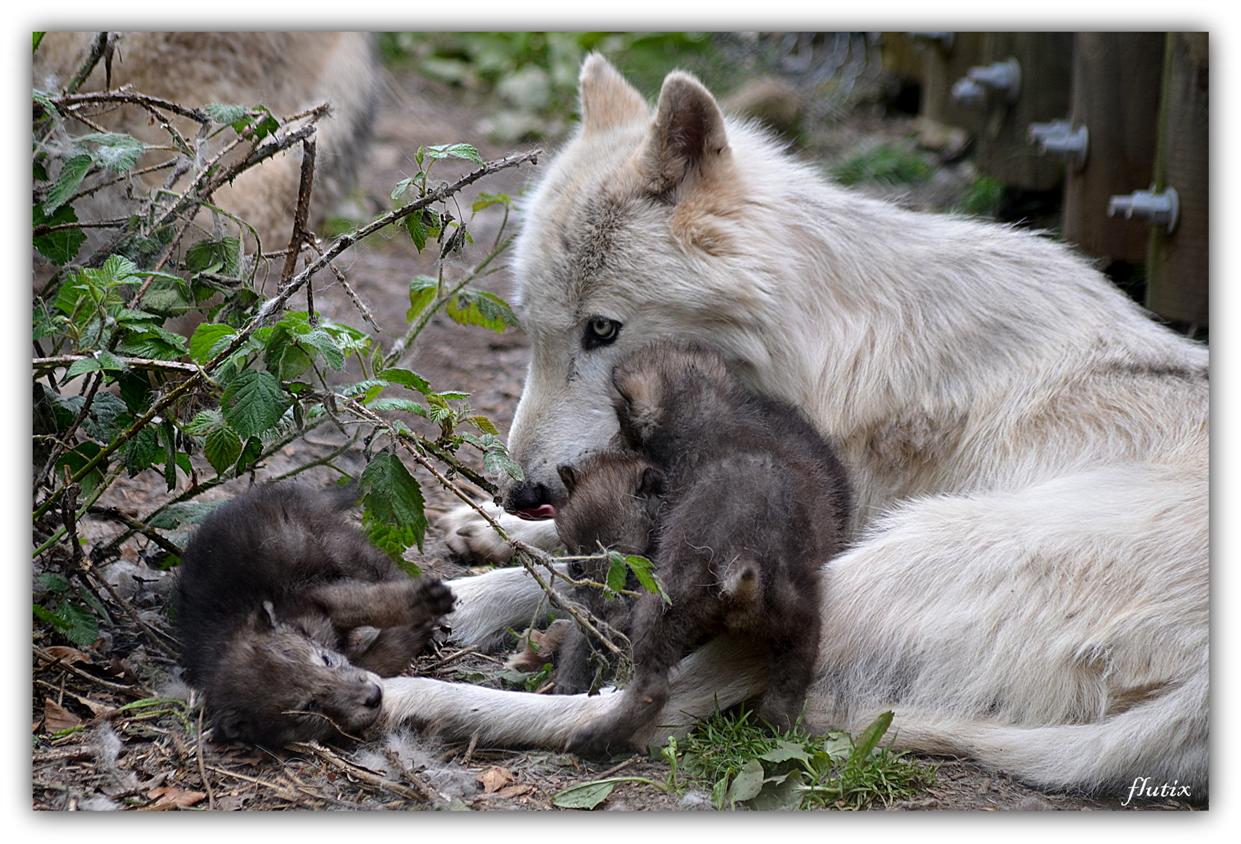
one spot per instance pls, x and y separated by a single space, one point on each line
209 339
153 341
142 451
225 112
219 256
780 793
399 404
325 344
255 122
464 151
182 513
496 461
785 751
481 308
203 423
250 454
222 448
114 151
643 570
392 505
869 739
417 228
83 628
747 783
37 37
405 378
80 366
76 460
62 245
618 572
486 200
586 795
483 424
72 172
254 403
108 417
422 292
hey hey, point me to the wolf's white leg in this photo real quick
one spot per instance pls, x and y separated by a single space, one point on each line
488 604
724 672
468 535
1059 632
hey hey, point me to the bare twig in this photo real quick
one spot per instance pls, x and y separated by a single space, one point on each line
313 243
202 766
352 769
97 48
138 527
62 361
302 213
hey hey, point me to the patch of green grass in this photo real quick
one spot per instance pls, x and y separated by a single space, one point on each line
743 764
982 198
883 164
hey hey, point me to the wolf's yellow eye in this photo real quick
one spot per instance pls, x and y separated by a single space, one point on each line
600 331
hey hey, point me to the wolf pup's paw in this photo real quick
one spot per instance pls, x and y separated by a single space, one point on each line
435 596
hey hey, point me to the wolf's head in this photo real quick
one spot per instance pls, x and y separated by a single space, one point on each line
641 229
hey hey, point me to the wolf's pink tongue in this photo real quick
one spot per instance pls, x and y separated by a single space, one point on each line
536 514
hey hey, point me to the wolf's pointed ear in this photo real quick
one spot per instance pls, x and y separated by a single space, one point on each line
607 99
688 137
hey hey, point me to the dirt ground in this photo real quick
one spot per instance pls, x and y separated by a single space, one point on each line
130 743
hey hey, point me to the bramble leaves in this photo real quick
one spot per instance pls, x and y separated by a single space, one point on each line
254 403
482 308
392 507
61 245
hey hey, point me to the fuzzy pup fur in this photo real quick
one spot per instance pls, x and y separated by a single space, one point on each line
286 613
756 502
1028 584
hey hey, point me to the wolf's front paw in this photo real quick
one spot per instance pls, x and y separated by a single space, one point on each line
469 537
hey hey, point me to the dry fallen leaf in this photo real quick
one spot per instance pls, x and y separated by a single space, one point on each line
57 718
171 797
495 778
66 655
515 790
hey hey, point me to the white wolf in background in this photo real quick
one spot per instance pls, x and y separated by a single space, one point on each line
1028 581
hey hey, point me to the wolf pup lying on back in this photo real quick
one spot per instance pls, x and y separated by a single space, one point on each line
284 610
756 502
1028 586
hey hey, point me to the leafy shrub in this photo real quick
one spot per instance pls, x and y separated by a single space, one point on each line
120 390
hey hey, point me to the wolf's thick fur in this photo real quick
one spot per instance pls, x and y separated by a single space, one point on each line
284 609
286 71
1029 581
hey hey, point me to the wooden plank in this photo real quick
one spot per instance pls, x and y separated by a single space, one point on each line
1178 263
944 66
1004 152
1115 94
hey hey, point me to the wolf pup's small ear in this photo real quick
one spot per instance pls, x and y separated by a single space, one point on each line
652 483
607 99
568 477
688 137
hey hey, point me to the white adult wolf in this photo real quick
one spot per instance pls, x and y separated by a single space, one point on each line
1028 581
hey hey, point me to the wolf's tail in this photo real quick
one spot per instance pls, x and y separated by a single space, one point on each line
1163 738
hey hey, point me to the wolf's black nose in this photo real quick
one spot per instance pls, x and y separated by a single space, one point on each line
527 496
